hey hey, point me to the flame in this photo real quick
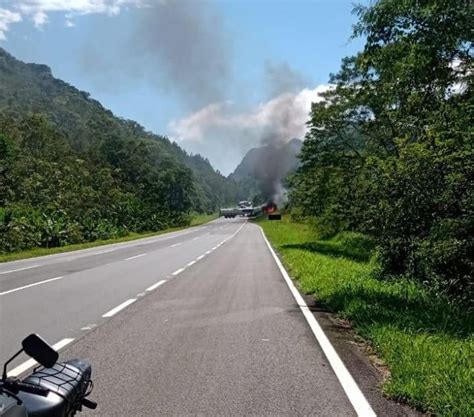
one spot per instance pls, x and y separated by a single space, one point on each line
270 208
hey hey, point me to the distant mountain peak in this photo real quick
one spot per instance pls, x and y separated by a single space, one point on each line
286 155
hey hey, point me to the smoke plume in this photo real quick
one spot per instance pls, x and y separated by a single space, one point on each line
270 170
280 78
185 42
179 46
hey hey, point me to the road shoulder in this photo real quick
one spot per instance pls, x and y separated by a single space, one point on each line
367 371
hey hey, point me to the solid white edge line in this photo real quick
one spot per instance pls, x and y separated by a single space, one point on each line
155 286
135 257
30 285
115 310
191 263
121 245
200 257
31 362
352 390
19 269
178 271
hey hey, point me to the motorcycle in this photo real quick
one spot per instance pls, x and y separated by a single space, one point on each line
54 389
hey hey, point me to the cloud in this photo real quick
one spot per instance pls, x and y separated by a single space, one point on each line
7 17
224 135
40 18
38 10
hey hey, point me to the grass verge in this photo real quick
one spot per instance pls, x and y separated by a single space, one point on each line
31 253
427 343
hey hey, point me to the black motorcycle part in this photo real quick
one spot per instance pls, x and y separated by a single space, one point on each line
67 382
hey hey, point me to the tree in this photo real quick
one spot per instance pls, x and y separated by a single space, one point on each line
389 150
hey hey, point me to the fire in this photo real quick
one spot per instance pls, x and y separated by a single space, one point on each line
270 208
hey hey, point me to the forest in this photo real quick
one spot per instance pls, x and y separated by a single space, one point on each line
389 152
72 172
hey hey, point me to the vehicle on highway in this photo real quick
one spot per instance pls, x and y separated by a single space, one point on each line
54 389
248 209
230 213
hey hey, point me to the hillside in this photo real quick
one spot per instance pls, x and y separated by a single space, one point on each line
86 124
286 156
72 172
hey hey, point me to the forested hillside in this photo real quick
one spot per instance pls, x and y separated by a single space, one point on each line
70 171
390 149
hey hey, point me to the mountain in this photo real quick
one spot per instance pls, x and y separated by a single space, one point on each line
71 171
285 156
262 171
31 89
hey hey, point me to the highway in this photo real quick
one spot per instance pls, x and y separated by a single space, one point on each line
195 322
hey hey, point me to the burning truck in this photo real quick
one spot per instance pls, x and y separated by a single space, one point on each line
244 208
247 209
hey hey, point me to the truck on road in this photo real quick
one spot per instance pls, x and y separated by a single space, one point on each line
231 212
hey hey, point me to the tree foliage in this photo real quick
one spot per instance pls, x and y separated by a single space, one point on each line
70 171
390 150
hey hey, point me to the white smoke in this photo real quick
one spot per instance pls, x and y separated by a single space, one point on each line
225 135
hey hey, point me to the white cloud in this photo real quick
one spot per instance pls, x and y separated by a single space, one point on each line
40 18
38 10
7 17
224 135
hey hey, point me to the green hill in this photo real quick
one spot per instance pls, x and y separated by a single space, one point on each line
71 171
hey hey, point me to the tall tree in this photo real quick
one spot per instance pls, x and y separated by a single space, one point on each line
389 151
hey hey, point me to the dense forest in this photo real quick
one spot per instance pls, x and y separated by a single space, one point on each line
70 171
389 151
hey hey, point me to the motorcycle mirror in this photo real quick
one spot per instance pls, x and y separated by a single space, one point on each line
40 350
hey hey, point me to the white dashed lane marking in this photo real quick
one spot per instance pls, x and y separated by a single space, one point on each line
119 307
19 269
31 362
135 257
155 286
30 285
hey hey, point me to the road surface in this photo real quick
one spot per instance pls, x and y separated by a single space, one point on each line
196 322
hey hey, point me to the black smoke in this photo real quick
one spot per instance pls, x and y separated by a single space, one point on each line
179 46
273 166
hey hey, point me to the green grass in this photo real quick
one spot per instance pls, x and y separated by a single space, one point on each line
427 343
196 220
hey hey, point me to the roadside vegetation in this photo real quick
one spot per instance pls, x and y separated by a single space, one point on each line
390 152
72 173
196 220
425 340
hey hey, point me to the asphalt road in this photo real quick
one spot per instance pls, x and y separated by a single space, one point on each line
196 322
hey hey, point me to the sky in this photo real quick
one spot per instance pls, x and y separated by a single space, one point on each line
218 77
